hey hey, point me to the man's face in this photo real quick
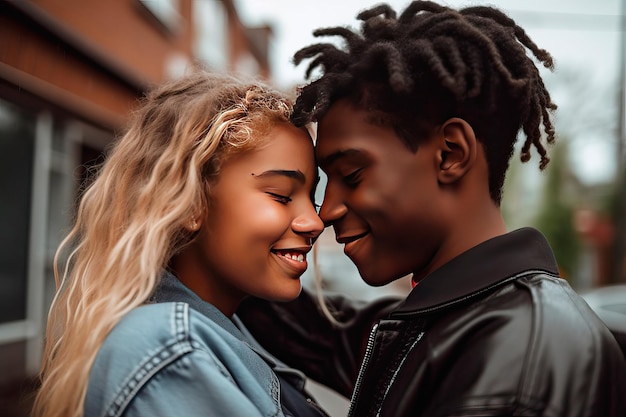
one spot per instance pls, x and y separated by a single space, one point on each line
381 198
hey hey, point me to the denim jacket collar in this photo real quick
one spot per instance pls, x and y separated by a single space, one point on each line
171 289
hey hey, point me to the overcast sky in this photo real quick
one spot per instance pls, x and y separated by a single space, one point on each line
580 34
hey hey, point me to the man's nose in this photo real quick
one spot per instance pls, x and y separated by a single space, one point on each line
332 208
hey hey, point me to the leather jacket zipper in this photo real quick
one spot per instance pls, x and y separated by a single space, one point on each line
368 353
395 374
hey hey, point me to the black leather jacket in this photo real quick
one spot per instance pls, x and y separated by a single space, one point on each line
494 332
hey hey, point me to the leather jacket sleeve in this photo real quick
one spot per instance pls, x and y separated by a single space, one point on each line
299 334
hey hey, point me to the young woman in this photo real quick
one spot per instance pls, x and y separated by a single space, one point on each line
205 200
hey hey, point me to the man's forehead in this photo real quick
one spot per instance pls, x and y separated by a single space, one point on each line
333 156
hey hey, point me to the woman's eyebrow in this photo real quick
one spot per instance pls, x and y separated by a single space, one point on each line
296 175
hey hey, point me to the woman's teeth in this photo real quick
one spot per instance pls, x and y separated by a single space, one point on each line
296 257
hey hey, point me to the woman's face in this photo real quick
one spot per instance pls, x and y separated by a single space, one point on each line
258 228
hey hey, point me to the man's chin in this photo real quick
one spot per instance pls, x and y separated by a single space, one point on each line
373 278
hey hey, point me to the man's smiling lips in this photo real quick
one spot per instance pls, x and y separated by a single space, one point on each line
348 239
351 244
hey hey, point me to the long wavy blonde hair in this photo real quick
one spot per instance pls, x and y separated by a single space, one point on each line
131 220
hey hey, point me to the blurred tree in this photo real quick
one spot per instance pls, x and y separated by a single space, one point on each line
556 212
588 124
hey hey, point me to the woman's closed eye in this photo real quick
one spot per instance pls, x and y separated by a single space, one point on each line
283 199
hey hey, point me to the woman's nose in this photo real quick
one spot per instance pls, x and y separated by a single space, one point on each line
308 223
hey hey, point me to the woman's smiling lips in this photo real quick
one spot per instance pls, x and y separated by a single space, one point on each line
295 258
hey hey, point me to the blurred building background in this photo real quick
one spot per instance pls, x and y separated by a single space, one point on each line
72 70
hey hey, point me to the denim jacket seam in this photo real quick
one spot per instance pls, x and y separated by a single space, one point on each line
153 363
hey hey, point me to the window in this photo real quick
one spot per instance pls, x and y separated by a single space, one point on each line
17 139
165 11
211 42
39 156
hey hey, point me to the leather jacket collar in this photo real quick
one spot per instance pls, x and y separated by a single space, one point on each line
486 265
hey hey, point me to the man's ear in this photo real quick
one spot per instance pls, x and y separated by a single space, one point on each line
457 151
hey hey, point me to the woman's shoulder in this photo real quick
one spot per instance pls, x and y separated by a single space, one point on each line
152 336
160 330
148 357
146 341
152 324
162 324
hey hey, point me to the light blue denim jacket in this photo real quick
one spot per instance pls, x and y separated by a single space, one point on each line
182 359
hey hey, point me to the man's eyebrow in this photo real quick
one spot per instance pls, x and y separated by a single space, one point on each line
333 157
296 175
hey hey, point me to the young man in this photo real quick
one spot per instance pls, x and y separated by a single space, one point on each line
417 118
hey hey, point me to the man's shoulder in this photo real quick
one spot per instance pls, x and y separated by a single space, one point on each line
554 310
533 318
571 347
549 320
539 342
560 308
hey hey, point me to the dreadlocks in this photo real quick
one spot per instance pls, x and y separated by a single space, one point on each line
433 63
